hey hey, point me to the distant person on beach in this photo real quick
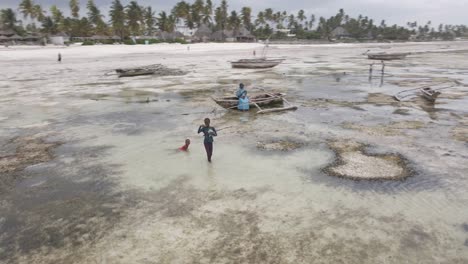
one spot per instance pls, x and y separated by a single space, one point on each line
186 146
254 53
243 102
208 133
59 57
240 91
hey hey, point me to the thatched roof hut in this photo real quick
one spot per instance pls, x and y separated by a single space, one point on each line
244 35
7 32
340 32
222 35
31 38
163 35
203 33
16 37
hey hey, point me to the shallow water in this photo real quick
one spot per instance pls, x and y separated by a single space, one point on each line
118 191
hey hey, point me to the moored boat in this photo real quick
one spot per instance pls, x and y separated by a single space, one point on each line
134 72
386 56
429 94
260 100
256 63
137 71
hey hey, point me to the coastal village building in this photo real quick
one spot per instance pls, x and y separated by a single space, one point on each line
169 36
59 39
244 35
9 37
203 34
286 31
184 29
339 33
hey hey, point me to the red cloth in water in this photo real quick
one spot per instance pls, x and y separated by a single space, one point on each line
184 148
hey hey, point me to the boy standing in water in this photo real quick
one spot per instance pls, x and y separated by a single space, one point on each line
209 133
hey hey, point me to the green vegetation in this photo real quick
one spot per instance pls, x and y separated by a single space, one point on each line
88 43
133 19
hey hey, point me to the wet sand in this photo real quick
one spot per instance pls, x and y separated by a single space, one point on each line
90 172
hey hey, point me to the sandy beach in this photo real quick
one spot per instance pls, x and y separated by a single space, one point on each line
90 172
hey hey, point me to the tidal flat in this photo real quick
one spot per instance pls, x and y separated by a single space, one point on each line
90 172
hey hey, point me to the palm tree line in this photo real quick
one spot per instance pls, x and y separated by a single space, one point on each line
134 19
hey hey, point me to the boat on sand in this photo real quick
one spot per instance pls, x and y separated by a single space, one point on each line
386 56
131 72
156 69
262 63
429 94
258 101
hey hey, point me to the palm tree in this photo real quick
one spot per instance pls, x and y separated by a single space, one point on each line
234 21
134 15
301 16
48 25
197 10
207 12
269 14
291 21
246 14
39 13
8 18
150 20
260 18
95 17
311 22
181 10
165 22
221 17
26 8
224 13
117 16
75 8
57 17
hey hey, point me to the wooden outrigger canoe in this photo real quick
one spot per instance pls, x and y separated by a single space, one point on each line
256 63
429 94
386 56
261 100
266 99
131 72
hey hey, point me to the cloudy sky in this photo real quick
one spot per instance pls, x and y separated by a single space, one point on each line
393 11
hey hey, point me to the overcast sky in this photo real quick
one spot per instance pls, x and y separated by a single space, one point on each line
393 11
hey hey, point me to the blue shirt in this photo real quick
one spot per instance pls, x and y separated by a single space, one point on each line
240 92
208 133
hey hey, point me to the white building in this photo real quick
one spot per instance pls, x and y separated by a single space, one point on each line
182 28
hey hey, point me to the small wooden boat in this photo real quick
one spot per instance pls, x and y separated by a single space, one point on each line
260 100
256 63
386 56
266 99
429 94
136 71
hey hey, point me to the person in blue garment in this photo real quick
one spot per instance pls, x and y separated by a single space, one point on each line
244 102
240 91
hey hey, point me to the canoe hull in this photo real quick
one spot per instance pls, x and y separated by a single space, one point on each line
387 56
255 64
134 73
260 100
429 94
